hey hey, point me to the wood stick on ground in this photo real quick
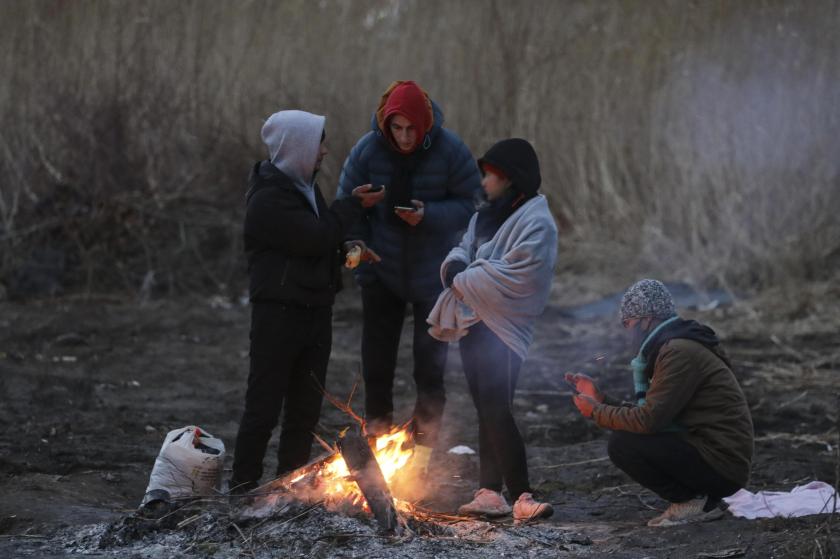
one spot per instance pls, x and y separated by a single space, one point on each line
368 476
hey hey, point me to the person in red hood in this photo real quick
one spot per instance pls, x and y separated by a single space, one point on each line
430 178
406 116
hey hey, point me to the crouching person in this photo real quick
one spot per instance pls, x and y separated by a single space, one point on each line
292 240
498 281
689 436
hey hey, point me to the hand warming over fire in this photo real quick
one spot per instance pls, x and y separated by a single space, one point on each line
585 404
412 217
584 384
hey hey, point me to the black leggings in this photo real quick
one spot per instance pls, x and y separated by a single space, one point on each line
668 465
492 370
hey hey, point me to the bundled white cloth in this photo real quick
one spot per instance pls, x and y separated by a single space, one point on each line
507 281
816 497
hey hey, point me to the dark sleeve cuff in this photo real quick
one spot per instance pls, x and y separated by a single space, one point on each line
453 269
610 401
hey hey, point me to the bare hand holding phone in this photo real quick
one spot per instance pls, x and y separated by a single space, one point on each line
369 195
411 214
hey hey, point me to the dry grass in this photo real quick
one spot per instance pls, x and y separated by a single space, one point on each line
691 141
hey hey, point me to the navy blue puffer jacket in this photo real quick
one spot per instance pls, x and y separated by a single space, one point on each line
445 180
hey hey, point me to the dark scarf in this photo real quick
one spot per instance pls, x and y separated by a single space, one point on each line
400 192
685 330
491 214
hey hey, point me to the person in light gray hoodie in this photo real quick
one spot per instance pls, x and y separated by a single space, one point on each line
497 283
293 243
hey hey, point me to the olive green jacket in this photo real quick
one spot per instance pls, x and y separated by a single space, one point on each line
693 388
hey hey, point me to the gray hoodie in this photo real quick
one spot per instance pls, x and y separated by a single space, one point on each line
293 139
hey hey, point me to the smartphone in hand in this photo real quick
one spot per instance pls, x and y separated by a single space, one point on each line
406 208
376 187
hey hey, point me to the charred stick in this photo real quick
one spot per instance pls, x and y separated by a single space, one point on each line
368 476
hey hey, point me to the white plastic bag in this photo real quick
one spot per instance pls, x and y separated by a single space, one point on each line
189 464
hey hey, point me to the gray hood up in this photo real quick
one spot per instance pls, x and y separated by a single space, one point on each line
293 139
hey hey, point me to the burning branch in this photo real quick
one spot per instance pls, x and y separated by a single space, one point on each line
345 407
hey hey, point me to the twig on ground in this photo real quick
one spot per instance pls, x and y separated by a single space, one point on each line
188 521
821 439
423 515
616 487
793 400
352 535
246 540
304 513
22 536
580 463
789 350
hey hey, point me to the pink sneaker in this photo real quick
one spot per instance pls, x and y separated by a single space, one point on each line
486 503
526 509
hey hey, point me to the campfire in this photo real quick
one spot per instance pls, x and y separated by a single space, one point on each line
333 480
358 474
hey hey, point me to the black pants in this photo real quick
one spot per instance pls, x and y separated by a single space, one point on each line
492 371
290 349
384 313
668 465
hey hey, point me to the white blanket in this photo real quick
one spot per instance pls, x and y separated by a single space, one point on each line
816 497
507 281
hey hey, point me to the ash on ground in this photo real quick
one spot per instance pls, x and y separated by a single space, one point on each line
295 529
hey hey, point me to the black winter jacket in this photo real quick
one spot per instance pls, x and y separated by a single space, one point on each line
294 256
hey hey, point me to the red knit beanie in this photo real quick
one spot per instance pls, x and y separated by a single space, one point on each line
408 100
490 168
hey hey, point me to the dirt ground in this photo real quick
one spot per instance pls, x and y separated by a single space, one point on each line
90 386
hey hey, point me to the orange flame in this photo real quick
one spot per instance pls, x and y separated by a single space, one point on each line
334 482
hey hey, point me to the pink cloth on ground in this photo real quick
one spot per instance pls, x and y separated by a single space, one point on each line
816 497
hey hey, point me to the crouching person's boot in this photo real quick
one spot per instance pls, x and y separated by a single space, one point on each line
701 509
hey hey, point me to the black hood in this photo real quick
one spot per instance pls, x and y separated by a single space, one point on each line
686 330
517 158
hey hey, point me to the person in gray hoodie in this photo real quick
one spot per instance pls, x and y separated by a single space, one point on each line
293 243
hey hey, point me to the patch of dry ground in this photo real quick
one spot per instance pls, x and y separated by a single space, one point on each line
90 386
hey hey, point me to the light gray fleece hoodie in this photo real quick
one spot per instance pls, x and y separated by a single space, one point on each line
293 139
